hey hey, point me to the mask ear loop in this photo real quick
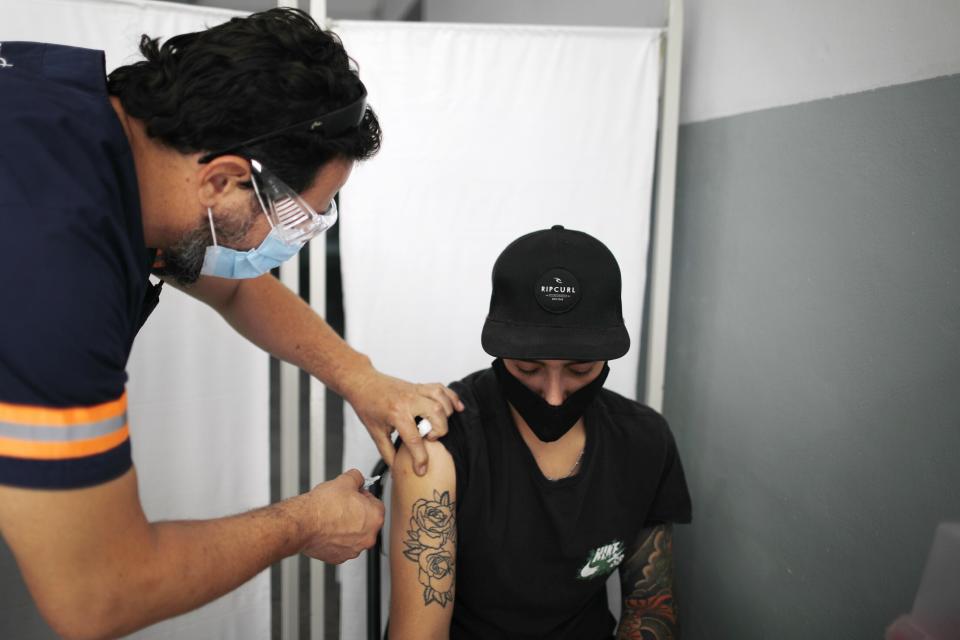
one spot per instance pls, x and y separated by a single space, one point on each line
212 232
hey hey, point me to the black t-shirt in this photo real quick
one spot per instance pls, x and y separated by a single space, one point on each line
533 554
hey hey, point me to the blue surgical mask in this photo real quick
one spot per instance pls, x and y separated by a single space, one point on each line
225 262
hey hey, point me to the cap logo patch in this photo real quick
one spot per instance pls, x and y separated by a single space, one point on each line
557 291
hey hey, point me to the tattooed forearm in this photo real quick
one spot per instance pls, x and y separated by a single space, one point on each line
432 543
649 612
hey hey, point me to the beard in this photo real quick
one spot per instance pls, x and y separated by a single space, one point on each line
184 260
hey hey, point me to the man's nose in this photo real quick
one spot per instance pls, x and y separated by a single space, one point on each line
553 393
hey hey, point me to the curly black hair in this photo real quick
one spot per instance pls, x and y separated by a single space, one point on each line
212 89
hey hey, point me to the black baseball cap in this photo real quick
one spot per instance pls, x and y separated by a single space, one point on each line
556 296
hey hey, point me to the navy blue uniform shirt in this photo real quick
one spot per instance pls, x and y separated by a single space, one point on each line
73 269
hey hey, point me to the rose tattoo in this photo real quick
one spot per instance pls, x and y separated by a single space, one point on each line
431 543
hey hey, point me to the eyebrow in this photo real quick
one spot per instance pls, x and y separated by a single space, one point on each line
568 364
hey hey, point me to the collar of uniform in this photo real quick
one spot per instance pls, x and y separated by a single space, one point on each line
83 69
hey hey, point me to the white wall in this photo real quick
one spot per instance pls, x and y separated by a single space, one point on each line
610 13
744 55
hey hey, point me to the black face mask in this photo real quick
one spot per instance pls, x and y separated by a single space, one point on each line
547 422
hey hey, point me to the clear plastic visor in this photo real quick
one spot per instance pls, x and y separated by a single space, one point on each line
295 221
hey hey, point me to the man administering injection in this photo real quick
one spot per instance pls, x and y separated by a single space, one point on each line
209 162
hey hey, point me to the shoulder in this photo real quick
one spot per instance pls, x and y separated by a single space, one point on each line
479 393
68 269
53 72
72 252
51 82
481 398
473 388
632 414
469 430
641 430
58 126
645 444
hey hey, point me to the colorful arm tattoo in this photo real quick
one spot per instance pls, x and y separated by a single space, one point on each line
649 612
432 543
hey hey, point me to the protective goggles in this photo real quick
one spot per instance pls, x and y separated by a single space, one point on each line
294 220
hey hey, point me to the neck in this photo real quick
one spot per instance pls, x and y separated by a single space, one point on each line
555 459
155 165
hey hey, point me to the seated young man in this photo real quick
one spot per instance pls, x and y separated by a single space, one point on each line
547 482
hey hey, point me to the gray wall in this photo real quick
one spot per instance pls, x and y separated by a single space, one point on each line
814 360
19 617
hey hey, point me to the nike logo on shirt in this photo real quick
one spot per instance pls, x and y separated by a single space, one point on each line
602 560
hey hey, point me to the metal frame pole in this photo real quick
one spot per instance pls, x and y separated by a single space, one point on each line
290 428
318 435
662 239
289 457
290 425
290 471
318 423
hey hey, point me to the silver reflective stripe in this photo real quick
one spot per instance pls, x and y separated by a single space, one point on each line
62 434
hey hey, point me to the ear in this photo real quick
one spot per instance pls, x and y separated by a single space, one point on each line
221 178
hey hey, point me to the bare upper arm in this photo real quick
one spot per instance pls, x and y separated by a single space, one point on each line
69 542
423 537
646 578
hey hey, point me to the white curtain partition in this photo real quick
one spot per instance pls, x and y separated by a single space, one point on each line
198 393
489 132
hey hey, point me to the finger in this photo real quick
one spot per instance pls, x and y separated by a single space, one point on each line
438 423
373 502
436 417
435 392
424 426
454 398
354 477
411 438
427 430
379 508
385 447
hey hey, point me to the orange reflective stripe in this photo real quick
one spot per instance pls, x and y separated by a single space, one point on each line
51 417
13 448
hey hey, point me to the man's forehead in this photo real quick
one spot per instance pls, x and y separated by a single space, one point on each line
318 196
329 179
